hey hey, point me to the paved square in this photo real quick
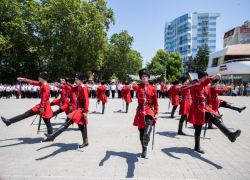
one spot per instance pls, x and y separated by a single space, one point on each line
114 147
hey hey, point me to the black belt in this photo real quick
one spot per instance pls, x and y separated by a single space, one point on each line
199 101
214 96
145 104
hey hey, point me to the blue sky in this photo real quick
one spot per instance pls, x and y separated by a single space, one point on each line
145 19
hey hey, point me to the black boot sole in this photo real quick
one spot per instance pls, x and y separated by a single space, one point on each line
83 145
237 134
5 121
199 151
146 139
182 133
242 109
49 137
46 140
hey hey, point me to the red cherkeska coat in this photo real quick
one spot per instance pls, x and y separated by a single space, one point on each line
100 94
214 95
82 104
163 88
71 105
173 94
201 103
45 95
185 102
147 96
64 100
125 94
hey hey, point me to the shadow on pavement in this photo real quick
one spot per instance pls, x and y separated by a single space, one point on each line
23 141
62 148
119 111
189 151
173 134
131 159
94 112
165 113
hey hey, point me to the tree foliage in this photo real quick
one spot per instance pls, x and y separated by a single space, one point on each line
119 58
173 62
61 37
200 62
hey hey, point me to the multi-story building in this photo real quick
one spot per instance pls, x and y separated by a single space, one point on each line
237 35
187 33
232 62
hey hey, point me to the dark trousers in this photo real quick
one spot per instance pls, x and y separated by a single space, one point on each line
17 94
113 93
132 93
90 93
93 93
149 120
107 93
119 93
212 118
158 93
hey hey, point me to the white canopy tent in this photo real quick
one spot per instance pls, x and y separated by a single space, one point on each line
137 78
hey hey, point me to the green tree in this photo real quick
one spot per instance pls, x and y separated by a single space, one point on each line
173 63
73 34
18 42
200 62
119 58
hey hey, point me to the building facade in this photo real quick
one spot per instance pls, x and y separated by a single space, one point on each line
187 33
237 35
232 62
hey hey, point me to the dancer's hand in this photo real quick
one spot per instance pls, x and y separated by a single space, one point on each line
41 110
217 76
156 116
134 83
85 115
20 79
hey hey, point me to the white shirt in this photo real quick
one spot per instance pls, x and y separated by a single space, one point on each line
169 86
107 88
55 88
158 87
112 87
93 87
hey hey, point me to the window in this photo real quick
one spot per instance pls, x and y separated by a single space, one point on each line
245 31
215 62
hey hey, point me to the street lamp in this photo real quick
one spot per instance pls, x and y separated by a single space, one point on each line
164 68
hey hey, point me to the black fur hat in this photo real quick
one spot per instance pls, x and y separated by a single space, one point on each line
144 72
71 80
43 75
183 79
79 75
215 81
201 73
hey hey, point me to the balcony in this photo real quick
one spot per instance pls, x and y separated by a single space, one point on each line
204 26
205 20
205 38
205 32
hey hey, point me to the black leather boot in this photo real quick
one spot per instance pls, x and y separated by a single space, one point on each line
12 120
144 150
146 137
231 135
210 126
180 129
17 118
103 108
235 108
127 105
55 113
84 138
62 128
173 111
197 145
